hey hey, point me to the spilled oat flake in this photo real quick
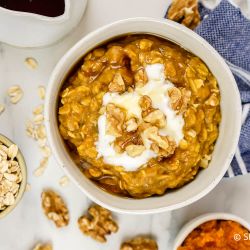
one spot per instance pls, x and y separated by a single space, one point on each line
31 63
15 94
36 130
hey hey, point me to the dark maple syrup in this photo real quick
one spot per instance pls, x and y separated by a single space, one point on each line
50 8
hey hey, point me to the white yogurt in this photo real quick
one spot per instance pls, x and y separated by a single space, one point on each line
156 88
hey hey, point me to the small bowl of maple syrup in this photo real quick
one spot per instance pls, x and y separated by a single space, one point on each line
36 23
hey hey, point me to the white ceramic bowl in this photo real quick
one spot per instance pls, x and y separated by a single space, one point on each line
25 29
190 226
229 128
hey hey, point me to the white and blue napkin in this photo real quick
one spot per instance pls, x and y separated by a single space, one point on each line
228 31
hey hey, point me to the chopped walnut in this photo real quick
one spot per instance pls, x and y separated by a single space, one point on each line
165 144
98 223
140 78
127 139
131 125
117 84
145 103
156 118
115 120
40 246
185 12
55 208
179 98
135 150
140 243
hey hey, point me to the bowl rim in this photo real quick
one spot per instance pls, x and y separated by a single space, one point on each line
6 141
179 28
197 221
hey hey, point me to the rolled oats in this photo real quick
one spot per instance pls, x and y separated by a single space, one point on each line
15 93
41 92
38 110
55 208
64 181
98 223
42 166
31 63
28 187
2 108
10 175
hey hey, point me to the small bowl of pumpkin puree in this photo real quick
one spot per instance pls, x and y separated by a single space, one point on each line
214 231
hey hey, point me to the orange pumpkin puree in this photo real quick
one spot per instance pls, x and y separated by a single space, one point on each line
217 235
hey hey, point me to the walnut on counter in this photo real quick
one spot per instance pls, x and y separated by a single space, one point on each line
140 243
40 246
55 208
98 223
185 12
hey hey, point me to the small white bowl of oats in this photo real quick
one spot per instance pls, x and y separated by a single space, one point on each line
13 176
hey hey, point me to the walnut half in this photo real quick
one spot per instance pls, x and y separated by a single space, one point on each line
185 12
55 208
98 223
140 243
43 247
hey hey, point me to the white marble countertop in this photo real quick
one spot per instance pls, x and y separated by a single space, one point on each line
26 225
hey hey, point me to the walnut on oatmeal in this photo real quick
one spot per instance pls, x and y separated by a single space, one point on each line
140 243
98 223
117 84
131 125
179 98
10 175
185 12
55 208
162 145
115 120
156 118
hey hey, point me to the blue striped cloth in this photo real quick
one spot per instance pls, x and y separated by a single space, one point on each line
228 31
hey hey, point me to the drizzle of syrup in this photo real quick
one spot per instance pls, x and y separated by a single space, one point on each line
50 8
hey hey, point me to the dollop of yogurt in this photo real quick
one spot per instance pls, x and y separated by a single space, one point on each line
156 88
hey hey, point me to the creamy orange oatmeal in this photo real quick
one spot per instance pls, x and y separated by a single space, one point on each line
140 115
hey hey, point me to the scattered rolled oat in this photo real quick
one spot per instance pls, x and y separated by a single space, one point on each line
15 93
28 187
55 208
64 181
31 62
98 223
41 92
140 243
2 108
35 129
10 175
42 166
40 246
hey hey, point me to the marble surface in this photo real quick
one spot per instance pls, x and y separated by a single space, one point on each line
26 225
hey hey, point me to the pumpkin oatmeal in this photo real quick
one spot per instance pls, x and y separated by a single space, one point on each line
217 234
140 115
